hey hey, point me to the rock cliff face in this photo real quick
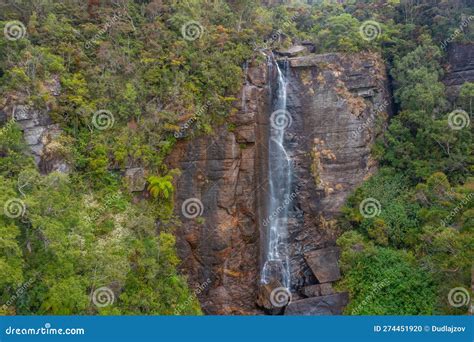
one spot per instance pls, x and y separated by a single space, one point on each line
223 172
335 103
460 68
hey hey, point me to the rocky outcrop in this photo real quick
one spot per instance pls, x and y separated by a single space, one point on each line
40 133
460 68
335 102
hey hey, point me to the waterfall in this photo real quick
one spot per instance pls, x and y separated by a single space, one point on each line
276 259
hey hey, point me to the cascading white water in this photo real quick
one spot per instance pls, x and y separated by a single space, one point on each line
276 259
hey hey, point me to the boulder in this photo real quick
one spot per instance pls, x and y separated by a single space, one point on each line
318 306
317 290
323 263
135 178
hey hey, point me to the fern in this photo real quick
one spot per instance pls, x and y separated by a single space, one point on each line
161 187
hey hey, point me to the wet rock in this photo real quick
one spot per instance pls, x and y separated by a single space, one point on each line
333 100
273 296
135 178
318 306
323 263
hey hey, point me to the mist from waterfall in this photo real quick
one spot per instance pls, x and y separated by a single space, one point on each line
276 259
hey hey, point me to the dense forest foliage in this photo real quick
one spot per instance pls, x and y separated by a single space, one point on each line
80 232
